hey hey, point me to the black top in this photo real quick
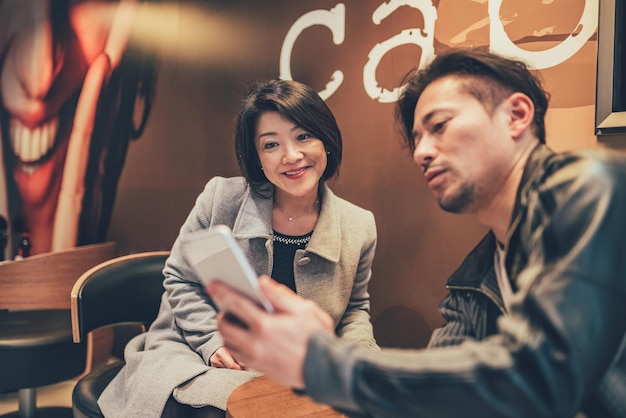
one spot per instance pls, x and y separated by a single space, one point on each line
285 247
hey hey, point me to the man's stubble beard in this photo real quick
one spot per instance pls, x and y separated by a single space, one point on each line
460 202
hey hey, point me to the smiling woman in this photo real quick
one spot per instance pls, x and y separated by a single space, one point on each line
289 224
293 160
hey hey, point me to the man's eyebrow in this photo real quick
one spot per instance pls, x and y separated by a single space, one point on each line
415 133
429 116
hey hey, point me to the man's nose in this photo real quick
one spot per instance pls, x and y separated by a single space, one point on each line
424 152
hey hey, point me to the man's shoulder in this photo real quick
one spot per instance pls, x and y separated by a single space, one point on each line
599 166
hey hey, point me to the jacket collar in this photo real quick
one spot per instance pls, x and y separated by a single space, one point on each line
477 269
254 220
533 175
326 239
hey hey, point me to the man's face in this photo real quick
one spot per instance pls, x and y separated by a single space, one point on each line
463 148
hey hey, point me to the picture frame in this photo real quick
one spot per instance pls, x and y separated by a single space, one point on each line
610 118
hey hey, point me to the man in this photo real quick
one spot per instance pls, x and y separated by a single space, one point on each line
536 313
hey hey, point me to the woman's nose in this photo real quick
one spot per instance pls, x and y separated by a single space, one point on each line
292 154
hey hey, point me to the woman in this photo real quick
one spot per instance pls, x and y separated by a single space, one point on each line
288 223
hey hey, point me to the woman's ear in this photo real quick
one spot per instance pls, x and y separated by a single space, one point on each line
522 112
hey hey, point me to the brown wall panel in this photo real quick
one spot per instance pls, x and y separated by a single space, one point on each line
189 137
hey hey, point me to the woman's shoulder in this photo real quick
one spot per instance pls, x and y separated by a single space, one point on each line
345 205
351 208
217 181
350 212
226 186
222 191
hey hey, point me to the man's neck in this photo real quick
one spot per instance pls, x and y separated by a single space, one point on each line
498 212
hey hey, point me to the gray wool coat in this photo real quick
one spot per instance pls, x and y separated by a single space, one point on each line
172 357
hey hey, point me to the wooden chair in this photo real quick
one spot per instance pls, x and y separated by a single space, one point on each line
124 290
36 347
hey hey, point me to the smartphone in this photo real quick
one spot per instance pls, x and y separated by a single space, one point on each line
215 255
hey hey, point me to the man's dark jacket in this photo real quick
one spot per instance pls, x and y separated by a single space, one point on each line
560 348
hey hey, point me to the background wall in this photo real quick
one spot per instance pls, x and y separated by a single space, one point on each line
188 138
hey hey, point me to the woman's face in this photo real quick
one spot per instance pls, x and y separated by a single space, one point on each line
292 158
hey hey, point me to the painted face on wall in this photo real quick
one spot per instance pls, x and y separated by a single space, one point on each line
57 70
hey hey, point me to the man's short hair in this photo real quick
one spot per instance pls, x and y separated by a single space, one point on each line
490 78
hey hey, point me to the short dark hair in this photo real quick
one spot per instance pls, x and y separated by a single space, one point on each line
301 105
491 78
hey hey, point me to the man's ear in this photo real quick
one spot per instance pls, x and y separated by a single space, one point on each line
522 112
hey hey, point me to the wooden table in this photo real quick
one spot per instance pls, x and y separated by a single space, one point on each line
262 397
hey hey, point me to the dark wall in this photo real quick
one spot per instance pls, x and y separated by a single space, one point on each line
189 136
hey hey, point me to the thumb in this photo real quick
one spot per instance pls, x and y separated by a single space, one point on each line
280 296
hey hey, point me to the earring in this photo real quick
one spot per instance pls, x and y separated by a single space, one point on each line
261 168
327 152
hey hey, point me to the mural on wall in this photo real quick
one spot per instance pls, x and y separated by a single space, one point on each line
68 102
413 258
354 52
532 31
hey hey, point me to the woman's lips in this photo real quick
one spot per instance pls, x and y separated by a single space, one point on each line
295 173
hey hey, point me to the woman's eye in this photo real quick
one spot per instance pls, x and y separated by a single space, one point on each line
304 136
269 145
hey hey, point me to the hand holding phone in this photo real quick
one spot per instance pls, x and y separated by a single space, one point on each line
215 255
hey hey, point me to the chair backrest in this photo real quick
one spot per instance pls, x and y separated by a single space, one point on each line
44 281
126 289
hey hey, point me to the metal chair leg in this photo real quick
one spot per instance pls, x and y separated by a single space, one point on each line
27 399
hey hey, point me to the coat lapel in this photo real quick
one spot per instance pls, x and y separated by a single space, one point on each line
326 239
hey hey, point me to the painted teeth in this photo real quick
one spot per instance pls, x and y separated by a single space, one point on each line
31 144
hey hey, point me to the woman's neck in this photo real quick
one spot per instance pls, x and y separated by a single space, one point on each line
295 215
296 204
